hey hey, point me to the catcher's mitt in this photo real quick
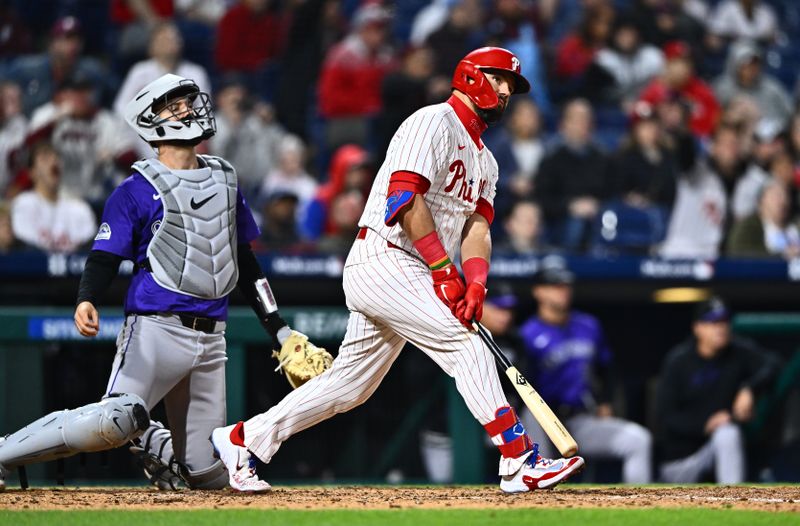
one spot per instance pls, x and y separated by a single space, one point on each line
300 360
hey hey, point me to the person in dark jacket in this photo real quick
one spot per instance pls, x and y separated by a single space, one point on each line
645 168
574 178
404 92
708 388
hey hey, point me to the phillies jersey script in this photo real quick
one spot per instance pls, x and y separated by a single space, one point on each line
435 144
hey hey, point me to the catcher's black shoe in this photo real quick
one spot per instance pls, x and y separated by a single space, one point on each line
161 475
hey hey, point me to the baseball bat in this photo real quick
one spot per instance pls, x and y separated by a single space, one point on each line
537 406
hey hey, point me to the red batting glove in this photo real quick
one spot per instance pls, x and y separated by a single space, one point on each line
471 307
448 285
476 269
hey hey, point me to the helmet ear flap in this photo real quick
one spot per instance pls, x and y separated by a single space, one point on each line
480 90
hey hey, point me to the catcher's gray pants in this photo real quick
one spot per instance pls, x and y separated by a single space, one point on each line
158 358
724 452
607 437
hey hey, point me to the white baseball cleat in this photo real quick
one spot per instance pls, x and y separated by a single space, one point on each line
541 473
240 463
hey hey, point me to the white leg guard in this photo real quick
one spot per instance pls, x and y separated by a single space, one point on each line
103 425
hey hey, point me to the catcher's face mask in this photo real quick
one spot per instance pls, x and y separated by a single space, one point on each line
192 109
171 109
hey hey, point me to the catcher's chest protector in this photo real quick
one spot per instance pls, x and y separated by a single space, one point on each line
194 250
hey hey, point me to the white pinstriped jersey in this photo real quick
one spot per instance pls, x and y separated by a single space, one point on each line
390 292
434 144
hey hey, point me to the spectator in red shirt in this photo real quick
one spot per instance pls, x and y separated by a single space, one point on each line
249 39
349 170
124 12
350 83
577 50
135 20
679 81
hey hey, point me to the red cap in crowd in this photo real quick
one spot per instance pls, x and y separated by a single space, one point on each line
66 26
677 49
642 111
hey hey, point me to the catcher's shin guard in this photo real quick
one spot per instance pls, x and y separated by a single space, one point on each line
103 425
213 477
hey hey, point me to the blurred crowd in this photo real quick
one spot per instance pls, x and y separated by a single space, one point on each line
653 127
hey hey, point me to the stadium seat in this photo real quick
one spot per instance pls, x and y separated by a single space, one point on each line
622 228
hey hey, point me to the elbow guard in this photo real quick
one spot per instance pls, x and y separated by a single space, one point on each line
400 194
395 203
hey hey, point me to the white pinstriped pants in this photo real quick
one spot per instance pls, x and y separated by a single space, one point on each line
391 300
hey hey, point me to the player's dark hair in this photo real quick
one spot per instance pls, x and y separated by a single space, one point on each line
522 202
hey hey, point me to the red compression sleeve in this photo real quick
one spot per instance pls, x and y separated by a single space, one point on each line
485 209
408 181
431 249
476 270
403 187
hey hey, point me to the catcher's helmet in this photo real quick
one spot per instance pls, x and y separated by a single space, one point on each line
488 59
144 112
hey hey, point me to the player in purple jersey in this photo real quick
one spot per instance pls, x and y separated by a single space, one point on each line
569 363
184 223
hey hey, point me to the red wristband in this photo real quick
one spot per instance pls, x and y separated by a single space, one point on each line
432 251
475 270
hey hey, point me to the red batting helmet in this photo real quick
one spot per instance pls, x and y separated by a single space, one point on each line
487 59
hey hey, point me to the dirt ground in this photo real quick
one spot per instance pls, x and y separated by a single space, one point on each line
777 498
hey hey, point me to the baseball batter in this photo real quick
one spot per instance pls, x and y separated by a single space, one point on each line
183 221
431 199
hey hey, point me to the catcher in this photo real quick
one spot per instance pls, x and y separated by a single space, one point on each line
184 223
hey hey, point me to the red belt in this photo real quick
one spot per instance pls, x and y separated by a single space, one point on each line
362 234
